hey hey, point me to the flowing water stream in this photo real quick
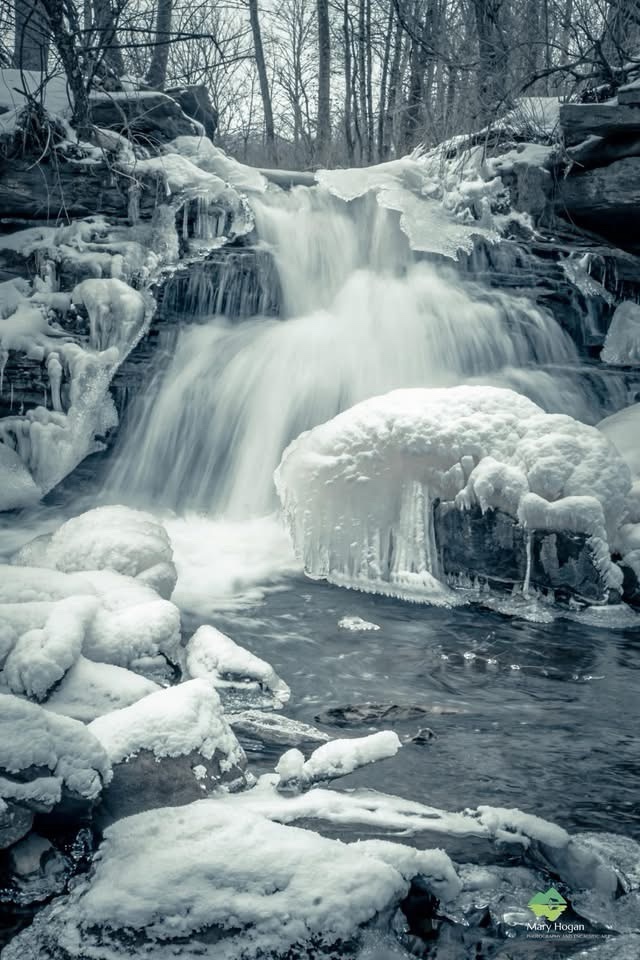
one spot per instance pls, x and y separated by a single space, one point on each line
520 713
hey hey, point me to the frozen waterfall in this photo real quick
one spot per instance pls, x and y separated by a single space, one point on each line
360 315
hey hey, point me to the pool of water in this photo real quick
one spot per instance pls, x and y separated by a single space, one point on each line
540 716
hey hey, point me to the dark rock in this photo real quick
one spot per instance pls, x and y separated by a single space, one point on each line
492 546
601 151
423 736
145 782
15 823
196 103
630 586
358 714
61 190
148 118
606 199
531 189
629 94
579 120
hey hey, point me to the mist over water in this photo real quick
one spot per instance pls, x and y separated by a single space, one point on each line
360 316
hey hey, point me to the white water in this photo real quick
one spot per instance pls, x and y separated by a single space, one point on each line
360 316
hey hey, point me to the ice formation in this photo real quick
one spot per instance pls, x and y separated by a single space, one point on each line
42 445
622 343
358 491
170 723
212 655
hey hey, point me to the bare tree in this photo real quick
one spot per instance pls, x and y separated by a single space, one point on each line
157 73
31 36
263 79
324 80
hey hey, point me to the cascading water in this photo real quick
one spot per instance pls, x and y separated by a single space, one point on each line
360 315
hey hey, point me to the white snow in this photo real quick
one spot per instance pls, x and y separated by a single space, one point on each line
172 722
113 538
622 429
337 758
54 93
216 657
31 736
42 656
89 690
176 872
622 343
357 491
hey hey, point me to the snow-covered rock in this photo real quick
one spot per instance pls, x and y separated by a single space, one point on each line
214 656
107 538
337 758
47 762
168 748
358 491
228 884
89 690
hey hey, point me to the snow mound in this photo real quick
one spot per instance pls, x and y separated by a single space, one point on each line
170 723
106 538
204 871
89 690
334 759
42 656
622 343
32 737
214 656
358 491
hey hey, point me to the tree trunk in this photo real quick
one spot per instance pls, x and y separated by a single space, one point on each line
493 56
261 67
31 40
348 132
105 25
324 81
157 73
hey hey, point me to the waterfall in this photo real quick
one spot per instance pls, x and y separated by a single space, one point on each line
360 315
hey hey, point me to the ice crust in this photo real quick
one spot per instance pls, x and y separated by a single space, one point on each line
337 758
358 491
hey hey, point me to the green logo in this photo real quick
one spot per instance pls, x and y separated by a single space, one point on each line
549 905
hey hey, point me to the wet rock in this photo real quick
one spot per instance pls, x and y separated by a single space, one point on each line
147 117
493 546
357 714
423 736
15 823
196 102
272 728
145 782
601 151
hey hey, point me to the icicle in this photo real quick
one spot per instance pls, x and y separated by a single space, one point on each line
527 576
54 369
4 356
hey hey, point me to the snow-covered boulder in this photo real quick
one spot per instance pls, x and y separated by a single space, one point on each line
334 759
168 748
48 619
89 690
47 763
107 538
359 491
216 657
207 880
